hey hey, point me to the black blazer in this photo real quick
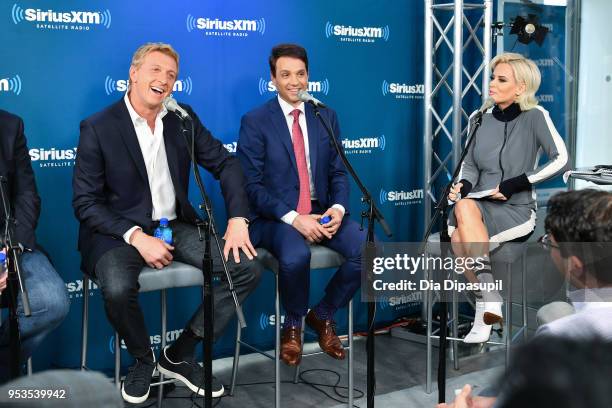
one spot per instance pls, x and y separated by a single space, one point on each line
111 190
15 165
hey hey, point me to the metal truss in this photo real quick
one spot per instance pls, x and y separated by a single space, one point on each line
454 85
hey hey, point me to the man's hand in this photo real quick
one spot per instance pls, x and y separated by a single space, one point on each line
496 195
463 400
454 192
3 274
336 219
155 252
308 225
3 281
237 237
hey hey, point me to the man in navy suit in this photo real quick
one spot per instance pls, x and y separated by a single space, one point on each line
294 179
132 170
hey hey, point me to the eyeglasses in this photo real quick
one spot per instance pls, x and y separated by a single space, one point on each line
546 242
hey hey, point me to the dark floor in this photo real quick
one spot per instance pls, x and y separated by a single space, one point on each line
400 364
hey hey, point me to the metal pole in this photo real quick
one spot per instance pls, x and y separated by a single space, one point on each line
457 78
486 42
427 133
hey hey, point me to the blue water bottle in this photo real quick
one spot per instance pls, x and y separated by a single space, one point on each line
163 232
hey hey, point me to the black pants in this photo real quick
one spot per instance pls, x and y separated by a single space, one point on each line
117 273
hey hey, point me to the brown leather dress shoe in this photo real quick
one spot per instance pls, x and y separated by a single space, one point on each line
329 342
291 345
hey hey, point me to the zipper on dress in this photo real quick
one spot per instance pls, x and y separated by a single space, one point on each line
501 151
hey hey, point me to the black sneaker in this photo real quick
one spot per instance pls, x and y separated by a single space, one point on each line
137 383
189 373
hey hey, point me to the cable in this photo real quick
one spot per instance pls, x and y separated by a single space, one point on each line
335 386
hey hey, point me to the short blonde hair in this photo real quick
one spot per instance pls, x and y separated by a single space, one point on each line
526 72
148 48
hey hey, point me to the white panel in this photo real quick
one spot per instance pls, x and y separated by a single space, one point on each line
594 133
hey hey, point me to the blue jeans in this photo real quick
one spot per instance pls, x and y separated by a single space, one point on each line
49 305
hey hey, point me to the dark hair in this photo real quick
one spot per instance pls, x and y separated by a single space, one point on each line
557 372
581 222
287 50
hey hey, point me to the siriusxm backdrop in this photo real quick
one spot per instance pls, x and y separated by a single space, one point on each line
59 63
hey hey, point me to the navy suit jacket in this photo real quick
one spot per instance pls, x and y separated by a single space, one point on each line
15 165
265 151
111 190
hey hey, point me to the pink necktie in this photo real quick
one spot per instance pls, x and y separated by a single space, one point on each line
304 206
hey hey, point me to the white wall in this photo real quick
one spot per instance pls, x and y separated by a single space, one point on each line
594 133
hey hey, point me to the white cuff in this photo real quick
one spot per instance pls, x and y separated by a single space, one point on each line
289 217
339 207
128 234
246 220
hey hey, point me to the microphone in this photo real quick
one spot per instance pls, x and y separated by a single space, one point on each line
173 106
489 102
477 118
306 97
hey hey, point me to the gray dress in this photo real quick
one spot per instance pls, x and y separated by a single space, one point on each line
506 153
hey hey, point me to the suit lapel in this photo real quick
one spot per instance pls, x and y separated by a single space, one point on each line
126 129
171 133
280 124
313 138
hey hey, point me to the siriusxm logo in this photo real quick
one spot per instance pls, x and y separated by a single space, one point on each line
231 147
234 28
357 34
403 91
544 62
545 98
364 145
400 302
121 85
11 84
61 20
313 86
550 26
266 321
54 157
75 288
155 340
401 197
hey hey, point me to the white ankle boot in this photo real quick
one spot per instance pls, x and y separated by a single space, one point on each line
487 314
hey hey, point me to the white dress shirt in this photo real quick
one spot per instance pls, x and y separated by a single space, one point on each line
153 151
287 109
593 316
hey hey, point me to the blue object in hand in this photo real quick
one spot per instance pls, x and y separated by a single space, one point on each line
164 232
325 220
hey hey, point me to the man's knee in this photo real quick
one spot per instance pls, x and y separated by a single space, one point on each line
117 294
247 272
295 260
58 304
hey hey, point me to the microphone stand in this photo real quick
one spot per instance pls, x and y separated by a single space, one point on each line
442 213
210 230
15 283
372 214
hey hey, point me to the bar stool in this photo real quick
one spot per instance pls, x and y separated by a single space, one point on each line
503 254
175 275
320 258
